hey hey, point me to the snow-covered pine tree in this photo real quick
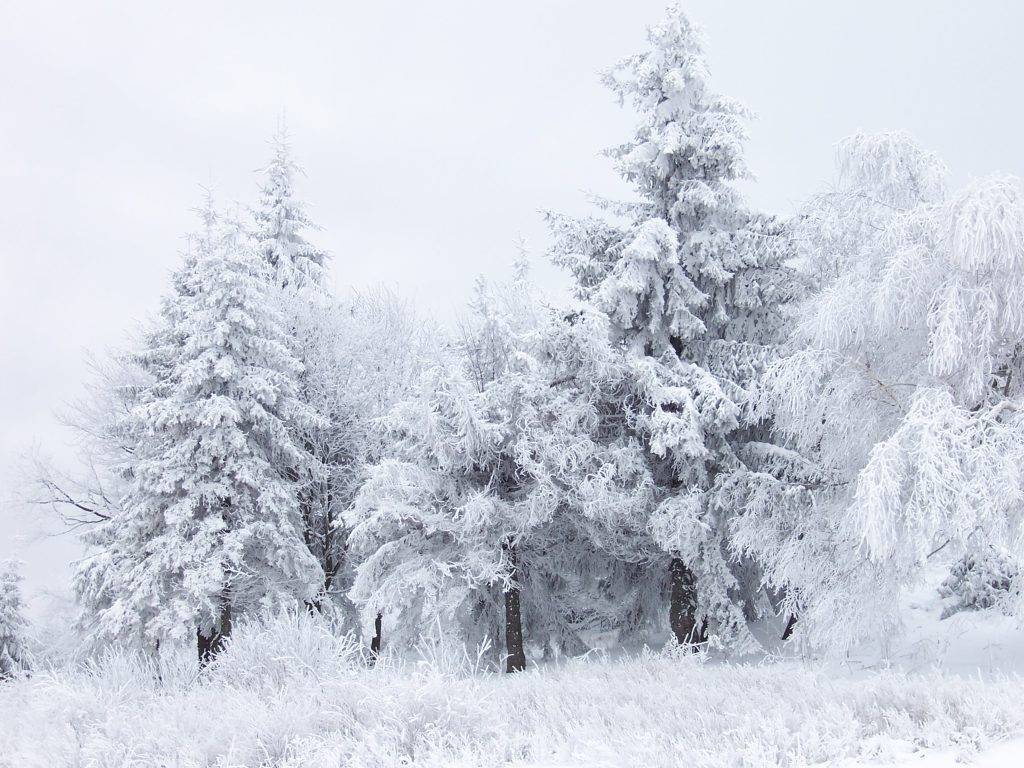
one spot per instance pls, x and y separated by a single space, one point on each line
13 651
901 388
594 569
281 222
519 492
114 431
693 279
297 279
438 527
210 526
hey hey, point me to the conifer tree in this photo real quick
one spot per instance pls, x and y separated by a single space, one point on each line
210 526
690 277
118 433
281 222
13 651
314 321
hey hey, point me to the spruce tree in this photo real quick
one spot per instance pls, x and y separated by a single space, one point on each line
13 651
281 222
210 525
689 277
298 283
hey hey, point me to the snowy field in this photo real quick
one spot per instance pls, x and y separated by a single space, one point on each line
294 694
722 473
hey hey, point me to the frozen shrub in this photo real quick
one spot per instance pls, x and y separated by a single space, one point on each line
267 652
443 656
980 580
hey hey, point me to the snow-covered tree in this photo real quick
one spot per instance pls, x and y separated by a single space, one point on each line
596 568
361 356
281 222
694 280
901 390
210 526
438 526
13 651
520 491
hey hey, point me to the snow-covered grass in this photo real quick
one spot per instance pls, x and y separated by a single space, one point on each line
296 694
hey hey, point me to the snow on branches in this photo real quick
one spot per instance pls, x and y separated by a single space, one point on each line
902 384
13 651
210 524
695 285
280 220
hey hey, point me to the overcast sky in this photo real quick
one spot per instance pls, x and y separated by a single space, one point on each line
432 133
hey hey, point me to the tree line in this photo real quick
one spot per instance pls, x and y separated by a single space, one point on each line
737 419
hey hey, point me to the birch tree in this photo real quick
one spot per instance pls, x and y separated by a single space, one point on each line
901 389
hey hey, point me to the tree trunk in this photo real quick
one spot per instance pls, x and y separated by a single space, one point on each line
376 640
790 625
209 645
682 615
515 656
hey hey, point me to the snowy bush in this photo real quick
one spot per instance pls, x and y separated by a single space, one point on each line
980 580
272 650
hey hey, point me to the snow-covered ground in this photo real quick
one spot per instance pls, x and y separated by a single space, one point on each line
293 694
986 643
1009 754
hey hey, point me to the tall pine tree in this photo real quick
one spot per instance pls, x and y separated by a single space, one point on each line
313 321
691 277
13 651
210 526
281 222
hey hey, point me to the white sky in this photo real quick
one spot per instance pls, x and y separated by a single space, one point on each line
432 133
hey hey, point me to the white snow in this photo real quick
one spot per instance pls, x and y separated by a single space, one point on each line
293 694
739 420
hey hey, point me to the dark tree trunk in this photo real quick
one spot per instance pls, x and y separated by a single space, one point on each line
376 640
515 656
318 533
330 564
790 626
682 615
209 645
